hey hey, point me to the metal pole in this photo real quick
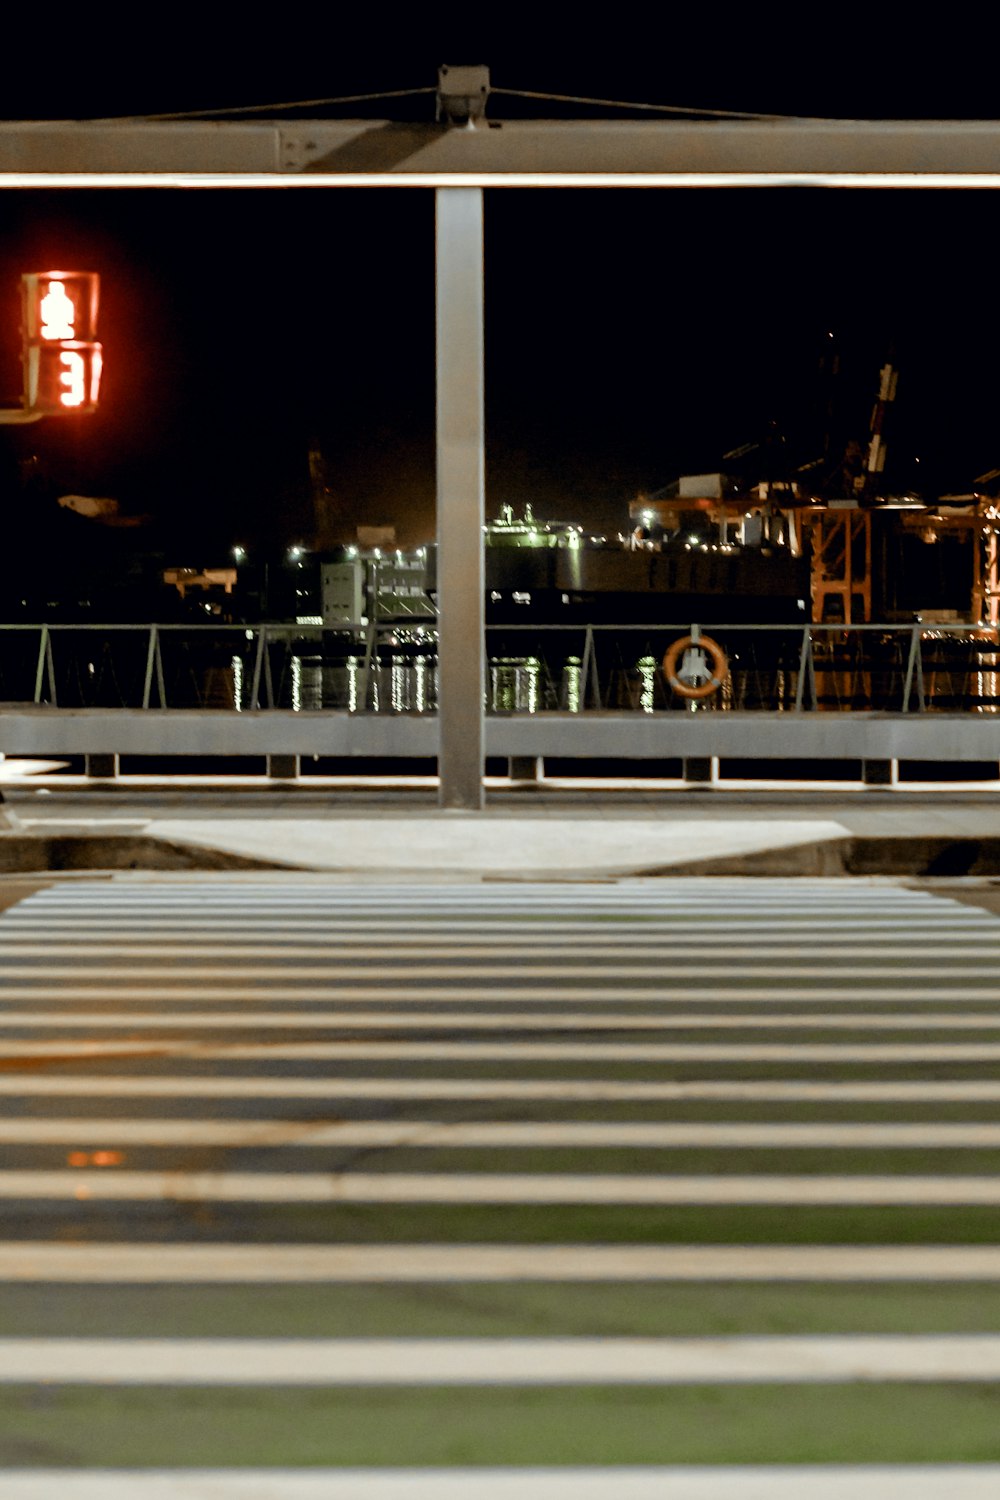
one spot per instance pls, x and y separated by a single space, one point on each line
461 504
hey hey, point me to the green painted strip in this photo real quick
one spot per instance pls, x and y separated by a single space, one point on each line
496 1310
364 1223
72 1426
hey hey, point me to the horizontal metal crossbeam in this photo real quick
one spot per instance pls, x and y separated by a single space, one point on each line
628 736
374 153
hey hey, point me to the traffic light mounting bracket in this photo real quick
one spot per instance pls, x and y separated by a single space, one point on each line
16 416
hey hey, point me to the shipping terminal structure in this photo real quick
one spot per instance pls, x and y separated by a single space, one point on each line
567 609
827 571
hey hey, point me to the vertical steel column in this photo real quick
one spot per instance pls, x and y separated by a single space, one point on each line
461 502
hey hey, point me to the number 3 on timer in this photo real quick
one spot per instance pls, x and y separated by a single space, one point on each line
73 378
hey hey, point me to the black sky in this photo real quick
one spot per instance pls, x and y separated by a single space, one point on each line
630 335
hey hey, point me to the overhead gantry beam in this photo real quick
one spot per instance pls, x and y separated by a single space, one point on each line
545 153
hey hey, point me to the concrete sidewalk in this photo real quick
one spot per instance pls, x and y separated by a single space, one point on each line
549 831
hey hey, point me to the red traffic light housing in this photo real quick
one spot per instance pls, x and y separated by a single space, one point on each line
62 360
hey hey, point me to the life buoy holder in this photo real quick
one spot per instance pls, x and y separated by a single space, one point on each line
719 666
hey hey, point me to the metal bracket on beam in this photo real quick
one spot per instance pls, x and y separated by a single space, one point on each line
462 95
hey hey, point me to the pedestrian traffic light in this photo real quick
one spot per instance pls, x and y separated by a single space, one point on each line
62 360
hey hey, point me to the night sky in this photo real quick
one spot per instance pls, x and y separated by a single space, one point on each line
631 336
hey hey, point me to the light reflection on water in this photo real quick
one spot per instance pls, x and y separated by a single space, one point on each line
399 684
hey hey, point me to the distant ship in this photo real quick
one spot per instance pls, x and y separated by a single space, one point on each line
682 559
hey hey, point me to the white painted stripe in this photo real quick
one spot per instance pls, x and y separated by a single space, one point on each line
974 1016
745 1052
493 937
559 901
793 1482
303 1011
715 913
541 921
666 990
115 1263
492 1187
511 967
255 945
510 972
912 1092
493 927
247 1018
539 1134
471 1361
217 944
595 1051
716 909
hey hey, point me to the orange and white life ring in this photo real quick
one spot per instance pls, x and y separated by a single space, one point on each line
676 660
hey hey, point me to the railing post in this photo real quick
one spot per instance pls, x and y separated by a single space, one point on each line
268 680
806 668
258 663
813 693
366 666
147 685
911 663
43 642
51 666
46 668
161 682
588 672
921 700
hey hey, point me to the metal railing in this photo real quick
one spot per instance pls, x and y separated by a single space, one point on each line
821 667
389 667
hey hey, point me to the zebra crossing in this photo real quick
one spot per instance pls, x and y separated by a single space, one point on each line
685 1187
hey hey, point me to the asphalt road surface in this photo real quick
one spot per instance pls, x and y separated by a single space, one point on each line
651 1188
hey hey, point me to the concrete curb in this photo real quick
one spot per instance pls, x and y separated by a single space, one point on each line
938 856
